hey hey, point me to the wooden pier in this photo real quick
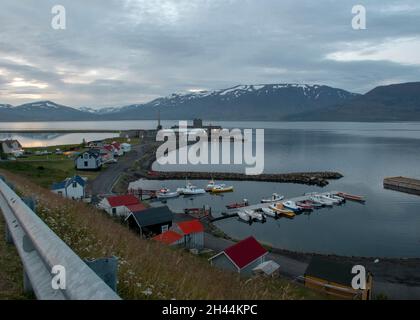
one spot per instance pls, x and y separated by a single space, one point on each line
403 184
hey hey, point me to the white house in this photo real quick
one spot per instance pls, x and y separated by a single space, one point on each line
89 160
11 147
126 147
118 205
72 188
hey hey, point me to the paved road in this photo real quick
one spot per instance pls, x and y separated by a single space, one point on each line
104 182
387 275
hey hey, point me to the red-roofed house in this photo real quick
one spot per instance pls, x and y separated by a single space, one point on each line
242 257
170 238
117 205
189 234
133 208
118 151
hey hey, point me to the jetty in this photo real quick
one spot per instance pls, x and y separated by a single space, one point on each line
403 184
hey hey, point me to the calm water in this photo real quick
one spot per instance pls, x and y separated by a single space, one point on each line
389 223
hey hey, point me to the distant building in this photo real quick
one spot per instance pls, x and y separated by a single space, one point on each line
118 151
72 188
268 269
189 234
150 222
96 144
126 147
335 278
89 160
242 257
119 205
11 147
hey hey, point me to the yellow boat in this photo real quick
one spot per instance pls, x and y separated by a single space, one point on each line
221 189
280 209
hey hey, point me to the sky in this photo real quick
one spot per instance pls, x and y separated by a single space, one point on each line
120 52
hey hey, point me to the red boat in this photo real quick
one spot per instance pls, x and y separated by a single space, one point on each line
351 197
238 205
305 205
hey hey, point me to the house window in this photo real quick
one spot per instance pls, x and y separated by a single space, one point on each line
165 228
74 185
114 211
86 163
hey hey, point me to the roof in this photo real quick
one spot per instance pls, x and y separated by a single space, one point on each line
152 216
116 145
64 184
245 252
333 271
268 267
118 201
168 237
91 152
136 207
109 148
193 226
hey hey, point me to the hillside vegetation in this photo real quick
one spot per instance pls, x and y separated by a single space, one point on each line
147 270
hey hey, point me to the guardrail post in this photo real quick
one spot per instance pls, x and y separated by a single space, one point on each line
8 235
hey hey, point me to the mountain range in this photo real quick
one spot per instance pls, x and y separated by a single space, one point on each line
288 102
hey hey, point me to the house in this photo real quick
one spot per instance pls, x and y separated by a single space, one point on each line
106 152
118 205
118 151
242 257
334 278
126 147
72 188
151 221
96 144
11 147
189 234
89 160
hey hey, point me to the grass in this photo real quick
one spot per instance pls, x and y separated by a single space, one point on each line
45 173
147 269
11 270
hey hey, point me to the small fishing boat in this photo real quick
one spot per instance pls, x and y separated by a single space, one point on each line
351 197
190 190
221 189
210 185
333 196
166 193
269 212
238 205
255 215
244 216
304 205
281 210
322 201
313 204
274 198
291 205
328 198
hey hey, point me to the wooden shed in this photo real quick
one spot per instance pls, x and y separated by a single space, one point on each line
150 222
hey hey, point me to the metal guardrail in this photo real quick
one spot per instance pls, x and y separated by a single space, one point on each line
40 249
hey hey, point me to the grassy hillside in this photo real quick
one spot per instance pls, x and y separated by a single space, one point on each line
147 270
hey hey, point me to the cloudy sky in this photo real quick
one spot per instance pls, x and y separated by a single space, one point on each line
118 52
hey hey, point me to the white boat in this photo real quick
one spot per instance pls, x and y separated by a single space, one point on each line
211 185
190 190
334 196
166 193
269 212
329 198
255 215
320 200
291 205
274 198
244 216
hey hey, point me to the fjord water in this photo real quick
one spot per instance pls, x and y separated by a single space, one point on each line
387 225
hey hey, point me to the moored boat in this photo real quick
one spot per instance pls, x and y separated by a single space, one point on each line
274 198
255 215
238 205
269 212
291 205
190 190
305 205
351 197
244 216
281 210
166 193
321 201
221 189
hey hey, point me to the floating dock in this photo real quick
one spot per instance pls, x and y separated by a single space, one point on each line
403 184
